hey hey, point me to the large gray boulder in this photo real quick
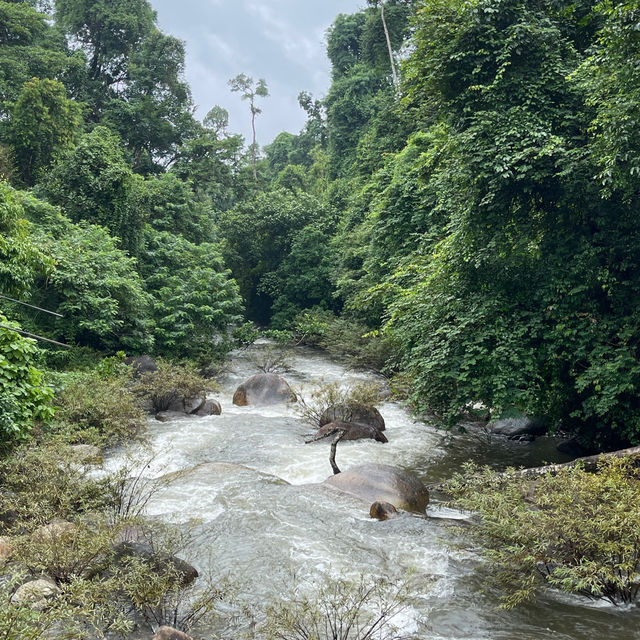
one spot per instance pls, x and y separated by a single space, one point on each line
141 365
518 428
263 389
353 431
383 483
353 413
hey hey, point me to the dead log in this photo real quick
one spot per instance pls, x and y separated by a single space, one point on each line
589 463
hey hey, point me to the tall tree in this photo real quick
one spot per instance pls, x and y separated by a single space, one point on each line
250 91
43 121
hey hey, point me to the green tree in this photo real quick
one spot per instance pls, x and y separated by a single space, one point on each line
93 182
24 396
43 122
108 31
94 285
21 259
244 85
195 300
258 235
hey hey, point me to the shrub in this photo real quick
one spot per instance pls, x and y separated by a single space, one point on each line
365 394
98 409
171 383
339 610
575 531
61 488
24 397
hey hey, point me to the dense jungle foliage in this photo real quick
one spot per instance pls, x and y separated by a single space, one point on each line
473 228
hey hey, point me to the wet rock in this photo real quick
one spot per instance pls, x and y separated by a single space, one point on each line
210 408
383 483
193 405
356 413
353 431
159 562
518 428
382 511
167 416
141 365
263 389
54 531
86 454
573 448
169 633
36 593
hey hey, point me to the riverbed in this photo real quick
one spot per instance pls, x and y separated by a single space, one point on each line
263 520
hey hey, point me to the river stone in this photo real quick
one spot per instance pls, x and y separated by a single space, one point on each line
36 593
382 511
353 413
169 633
167 416
159 562
383 483
353 431
515 428
193 405
141 365
210 408
53 531
263 389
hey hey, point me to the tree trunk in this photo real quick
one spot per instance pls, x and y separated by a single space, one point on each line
590 463
332 455
386 34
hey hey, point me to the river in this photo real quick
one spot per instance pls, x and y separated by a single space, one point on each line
268 525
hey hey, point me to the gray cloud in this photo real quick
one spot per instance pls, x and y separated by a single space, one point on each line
282 41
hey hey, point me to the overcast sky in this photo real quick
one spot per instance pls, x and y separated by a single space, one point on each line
282 41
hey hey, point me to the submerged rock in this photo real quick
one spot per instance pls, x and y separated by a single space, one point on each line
383 483
263 389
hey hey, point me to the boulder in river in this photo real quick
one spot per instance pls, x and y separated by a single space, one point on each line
520 428
210 408
383 511
353 431
353 413
169 633
383 483
263 389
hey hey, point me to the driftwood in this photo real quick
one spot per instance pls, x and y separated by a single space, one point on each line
590 463
332 456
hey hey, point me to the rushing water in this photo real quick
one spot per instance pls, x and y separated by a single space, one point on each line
264 520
